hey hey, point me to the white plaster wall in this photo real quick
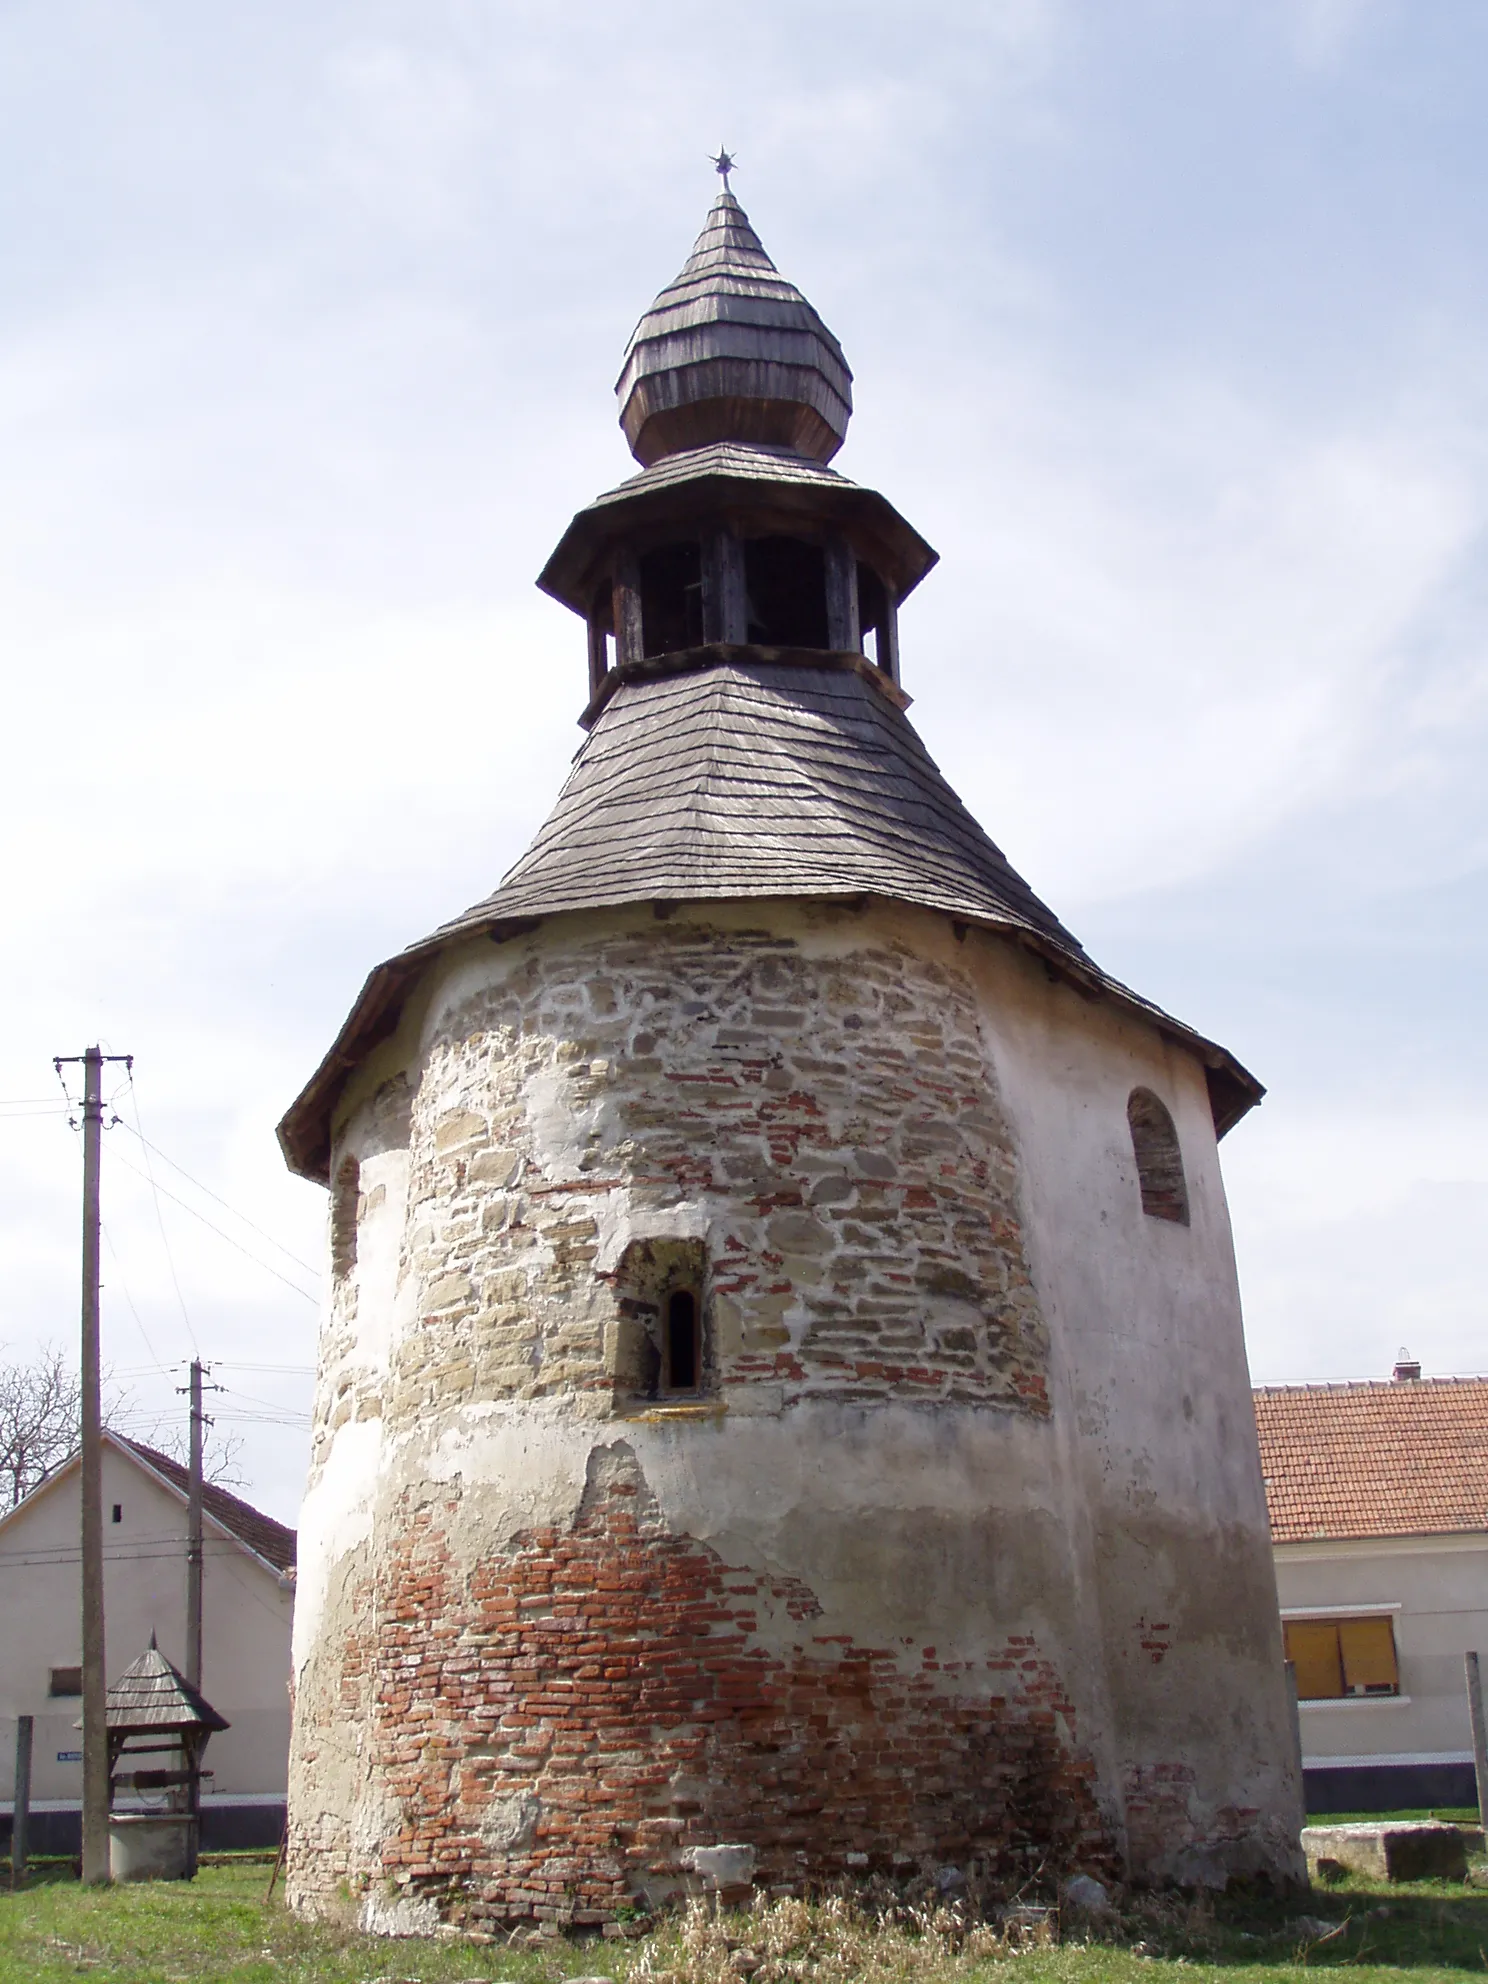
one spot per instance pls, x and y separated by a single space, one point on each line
1440 1584
246 1616
1146 1326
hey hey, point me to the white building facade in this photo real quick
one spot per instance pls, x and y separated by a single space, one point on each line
1379 1508
247 1618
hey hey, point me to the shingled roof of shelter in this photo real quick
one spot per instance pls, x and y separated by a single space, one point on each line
152 1694
1404 1457
263 1535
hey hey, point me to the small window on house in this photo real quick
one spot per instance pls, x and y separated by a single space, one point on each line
1159 1160
785 586
65 1681
672 598
1338 1658
345 1199
684 1349
118 1512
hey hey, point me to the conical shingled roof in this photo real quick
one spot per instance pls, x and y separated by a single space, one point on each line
753 778
731 351
152 1694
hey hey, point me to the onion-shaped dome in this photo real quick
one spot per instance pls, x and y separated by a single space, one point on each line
731 351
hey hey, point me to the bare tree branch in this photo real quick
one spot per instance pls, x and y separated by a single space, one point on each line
222 1453
40 1405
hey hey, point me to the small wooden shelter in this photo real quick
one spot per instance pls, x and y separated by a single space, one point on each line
153 1710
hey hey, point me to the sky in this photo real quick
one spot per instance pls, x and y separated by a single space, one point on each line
1167 321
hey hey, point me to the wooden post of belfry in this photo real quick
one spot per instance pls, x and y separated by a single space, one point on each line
1479 1733
95 1706
20 1824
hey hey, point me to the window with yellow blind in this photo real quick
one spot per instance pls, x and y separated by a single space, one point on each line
1337 1658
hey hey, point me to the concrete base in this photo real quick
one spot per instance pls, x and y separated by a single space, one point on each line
1414 1850
152 1846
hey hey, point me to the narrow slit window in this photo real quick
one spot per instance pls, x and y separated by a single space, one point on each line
1159 1159
1336 1659
118 1515
683 1342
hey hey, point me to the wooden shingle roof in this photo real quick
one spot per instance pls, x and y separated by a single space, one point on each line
729 775
730 348
1394 1458
152 1694
748 778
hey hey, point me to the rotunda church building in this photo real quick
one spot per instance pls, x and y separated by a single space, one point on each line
782 1385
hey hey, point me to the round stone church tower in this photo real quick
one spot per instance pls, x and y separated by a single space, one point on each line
782 1385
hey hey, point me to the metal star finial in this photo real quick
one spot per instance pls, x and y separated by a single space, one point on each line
723 165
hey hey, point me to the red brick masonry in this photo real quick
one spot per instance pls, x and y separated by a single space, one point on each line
597 1700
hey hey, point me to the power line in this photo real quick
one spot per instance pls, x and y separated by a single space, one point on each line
284 1370
124 1285
224 1203
160 1218
163 1191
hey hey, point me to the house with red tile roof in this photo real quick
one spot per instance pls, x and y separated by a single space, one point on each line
248 1580
1378 1498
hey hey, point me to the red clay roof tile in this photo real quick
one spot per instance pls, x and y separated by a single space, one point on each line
1407 1457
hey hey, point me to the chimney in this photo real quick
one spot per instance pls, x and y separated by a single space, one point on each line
1406 1367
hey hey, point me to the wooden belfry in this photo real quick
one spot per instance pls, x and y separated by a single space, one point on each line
153 1710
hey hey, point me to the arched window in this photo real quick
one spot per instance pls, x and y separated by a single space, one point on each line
1159 1160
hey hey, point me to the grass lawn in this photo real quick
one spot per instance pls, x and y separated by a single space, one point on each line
219 1928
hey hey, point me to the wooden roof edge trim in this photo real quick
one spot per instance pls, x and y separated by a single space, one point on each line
1233 1090
720 654
712 493
304 1129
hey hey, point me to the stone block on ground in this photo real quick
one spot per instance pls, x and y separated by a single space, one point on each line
1407 1850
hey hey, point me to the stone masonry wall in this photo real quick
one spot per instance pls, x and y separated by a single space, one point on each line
540 1726
833 1124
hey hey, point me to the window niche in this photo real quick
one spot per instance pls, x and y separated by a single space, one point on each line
659 1343
1159 1159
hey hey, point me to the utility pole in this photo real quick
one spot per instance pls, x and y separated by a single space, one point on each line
194 1533
95 1682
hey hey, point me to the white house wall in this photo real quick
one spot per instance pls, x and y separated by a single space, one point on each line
246 1613
1440 1585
